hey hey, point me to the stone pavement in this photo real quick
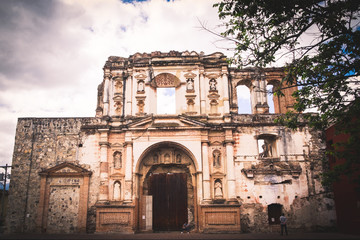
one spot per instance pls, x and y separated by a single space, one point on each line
177 235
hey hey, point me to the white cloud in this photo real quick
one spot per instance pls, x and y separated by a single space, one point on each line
165 101
53 52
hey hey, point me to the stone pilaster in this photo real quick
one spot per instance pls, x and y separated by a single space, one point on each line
202 92
230 172
226 91
106 92
128 171
104 166
206 174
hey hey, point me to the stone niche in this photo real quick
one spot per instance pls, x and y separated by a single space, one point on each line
63 199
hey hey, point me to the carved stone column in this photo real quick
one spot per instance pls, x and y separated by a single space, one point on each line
106 92
206 174
128 171
230 173
226 92
128 95
202 92
104 166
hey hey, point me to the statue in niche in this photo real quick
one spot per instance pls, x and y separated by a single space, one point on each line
167 158
213 84
118 108
178 158
218 193
267 149
140 86
156 158
117 191
117 160
216 158
118 86
190 84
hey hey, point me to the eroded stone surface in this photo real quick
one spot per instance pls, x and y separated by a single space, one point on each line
231 184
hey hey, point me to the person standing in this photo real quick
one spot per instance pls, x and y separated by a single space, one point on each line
283 224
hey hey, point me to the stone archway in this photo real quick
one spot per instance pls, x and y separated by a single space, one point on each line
171 165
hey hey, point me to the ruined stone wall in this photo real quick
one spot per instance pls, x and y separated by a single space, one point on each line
290 178
41 143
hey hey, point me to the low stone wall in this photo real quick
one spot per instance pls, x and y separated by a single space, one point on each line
219 218
112 218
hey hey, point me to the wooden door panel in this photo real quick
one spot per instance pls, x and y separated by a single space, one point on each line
169 201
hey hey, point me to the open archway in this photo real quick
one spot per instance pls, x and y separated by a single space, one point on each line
167 187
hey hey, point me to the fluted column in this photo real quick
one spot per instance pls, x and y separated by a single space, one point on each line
104 175
206 172
106 92
128 171
202 92
226 92
128 95
230 172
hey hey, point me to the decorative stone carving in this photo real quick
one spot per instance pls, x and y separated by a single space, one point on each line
140 104
165 80
140 86
218 193
117 160
118 100
216 158
213 84
190 100
190 85
272 167
117 191
155 158
178 158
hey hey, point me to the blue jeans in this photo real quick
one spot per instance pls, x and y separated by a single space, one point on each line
283 226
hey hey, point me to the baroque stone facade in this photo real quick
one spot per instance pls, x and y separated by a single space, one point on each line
130 169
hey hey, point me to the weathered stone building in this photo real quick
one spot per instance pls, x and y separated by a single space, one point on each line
130 169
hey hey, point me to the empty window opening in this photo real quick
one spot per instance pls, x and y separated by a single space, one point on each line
267 146
270 98
166 101
243 99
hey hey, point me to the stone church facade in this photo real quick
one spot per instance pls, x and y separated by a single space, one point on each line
129 169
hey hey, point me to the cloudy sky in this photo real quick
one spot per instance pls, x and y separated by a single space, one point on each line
52 51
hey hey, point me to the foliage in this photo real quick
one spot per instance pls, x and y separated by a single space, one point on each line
321 40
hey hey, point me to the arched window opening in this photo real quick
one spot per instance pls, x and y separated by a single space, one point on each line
243 99
166 103
270 98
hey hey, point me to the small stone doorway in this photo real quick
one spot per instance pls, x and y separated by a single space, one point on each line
274 213
169 192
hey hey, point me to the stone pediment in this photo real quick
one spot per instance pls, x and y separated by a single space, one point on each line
168 122
66 169
117 176
141 123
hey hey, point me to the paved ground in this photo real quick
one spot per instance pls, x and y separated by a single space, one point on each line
177 235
